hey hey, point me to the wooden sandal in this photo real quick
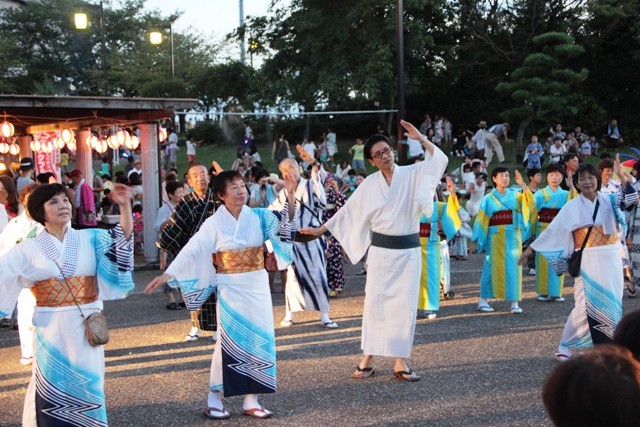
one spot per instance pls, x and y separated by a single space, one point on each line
362 373
408 376
260 413
224 415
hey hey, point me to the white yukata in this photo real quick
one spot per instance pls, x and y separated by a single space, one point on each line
67 383
244 359
393 275
598 288
17 230
307 283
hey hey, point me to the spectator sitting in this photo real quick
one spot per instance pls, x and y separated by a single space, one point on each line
585 149
600 387
613 133
594 144
349 185
342 172
556 151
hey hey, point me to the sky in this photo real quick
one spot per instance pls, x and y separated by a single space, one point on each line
210 17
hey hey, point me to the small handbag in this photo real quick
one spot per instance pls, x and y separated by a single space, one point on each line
95 325
575 261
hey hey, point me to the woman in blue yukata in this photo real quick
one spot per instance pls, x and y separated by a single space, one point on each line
244 359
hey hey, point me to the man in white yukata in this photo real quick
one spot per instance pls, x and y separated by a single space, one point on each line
307 284
383 216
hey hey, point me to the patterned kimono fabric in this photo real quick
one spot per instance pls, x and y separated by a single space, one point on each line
598 288
548 205
634 236
244 360
67 383
307 286
445 217
503 222
335 261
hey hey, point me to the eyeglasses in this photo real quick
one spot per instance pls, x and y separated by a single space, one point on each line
382 153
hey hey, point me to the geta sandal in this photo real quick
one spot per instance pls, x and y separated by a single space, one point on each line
362 373
224 415
260 413
408 376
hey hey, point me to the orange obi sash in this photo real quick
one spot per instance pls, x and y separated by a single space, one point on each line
55 293
239 261
547 214
501 218
597 237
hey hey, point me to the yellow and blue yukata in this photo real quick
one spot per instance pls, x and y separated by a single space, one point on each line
502 223
548 205
444 217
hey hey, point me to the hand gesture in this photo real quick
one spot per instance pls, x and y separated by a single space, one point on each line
617 166
304 155
216 167
519 179
157 282
450 186
411 131
290 184
121 194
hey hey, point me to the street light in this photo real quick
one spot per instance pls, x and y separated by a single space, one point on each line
81 22
155 37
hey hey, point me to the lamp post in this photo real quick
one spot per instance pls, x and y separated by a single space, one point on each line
401 106
155 37
81 22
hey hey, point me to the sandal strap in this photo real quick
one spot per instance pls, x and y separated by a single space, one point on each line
367 369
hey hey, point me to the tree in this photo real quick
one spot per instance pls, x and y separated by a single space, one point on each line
44 53
544 86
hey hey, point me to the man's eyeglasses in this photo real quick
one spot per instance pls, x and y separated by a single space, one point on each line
382 153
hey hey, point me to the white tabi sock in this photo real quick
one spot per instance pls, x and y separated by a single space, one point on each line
482 302
514 304
194 331
288 316
250 402
214 400
324 318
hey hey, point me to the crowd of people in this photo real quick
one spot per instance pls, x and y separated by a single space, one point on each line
408 222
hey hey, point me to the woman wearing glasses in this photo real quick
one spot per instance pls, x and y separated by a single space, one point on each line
383 216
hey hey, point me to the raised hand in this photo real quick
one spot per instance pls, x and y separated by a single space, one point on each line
216 167
304 155
519 179
411 131
121 194
451 188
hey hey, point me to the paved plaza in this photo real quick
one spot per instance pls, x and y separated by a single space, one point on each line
477 369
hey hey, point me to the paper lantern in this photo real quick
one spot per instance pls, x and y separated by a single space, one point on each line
59 143
133 143
121 136
36 145
72 145
4 147
14 149
67 135
101 145
113 142
6 129
47 147
162 134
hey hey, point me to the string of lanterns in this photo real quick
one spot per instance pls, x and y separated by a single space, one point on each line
7 141
99 140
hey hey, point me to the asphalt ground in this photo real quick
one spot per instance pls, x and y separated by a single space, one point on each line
477 369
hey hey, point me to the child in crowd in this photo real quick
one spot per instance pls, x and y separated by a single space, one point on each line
534 153
138 229
585 149
349 185
459 244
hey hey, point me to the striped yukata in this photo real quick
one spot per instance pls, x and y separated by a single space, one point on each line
503 222
548 205
307 284
445 217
